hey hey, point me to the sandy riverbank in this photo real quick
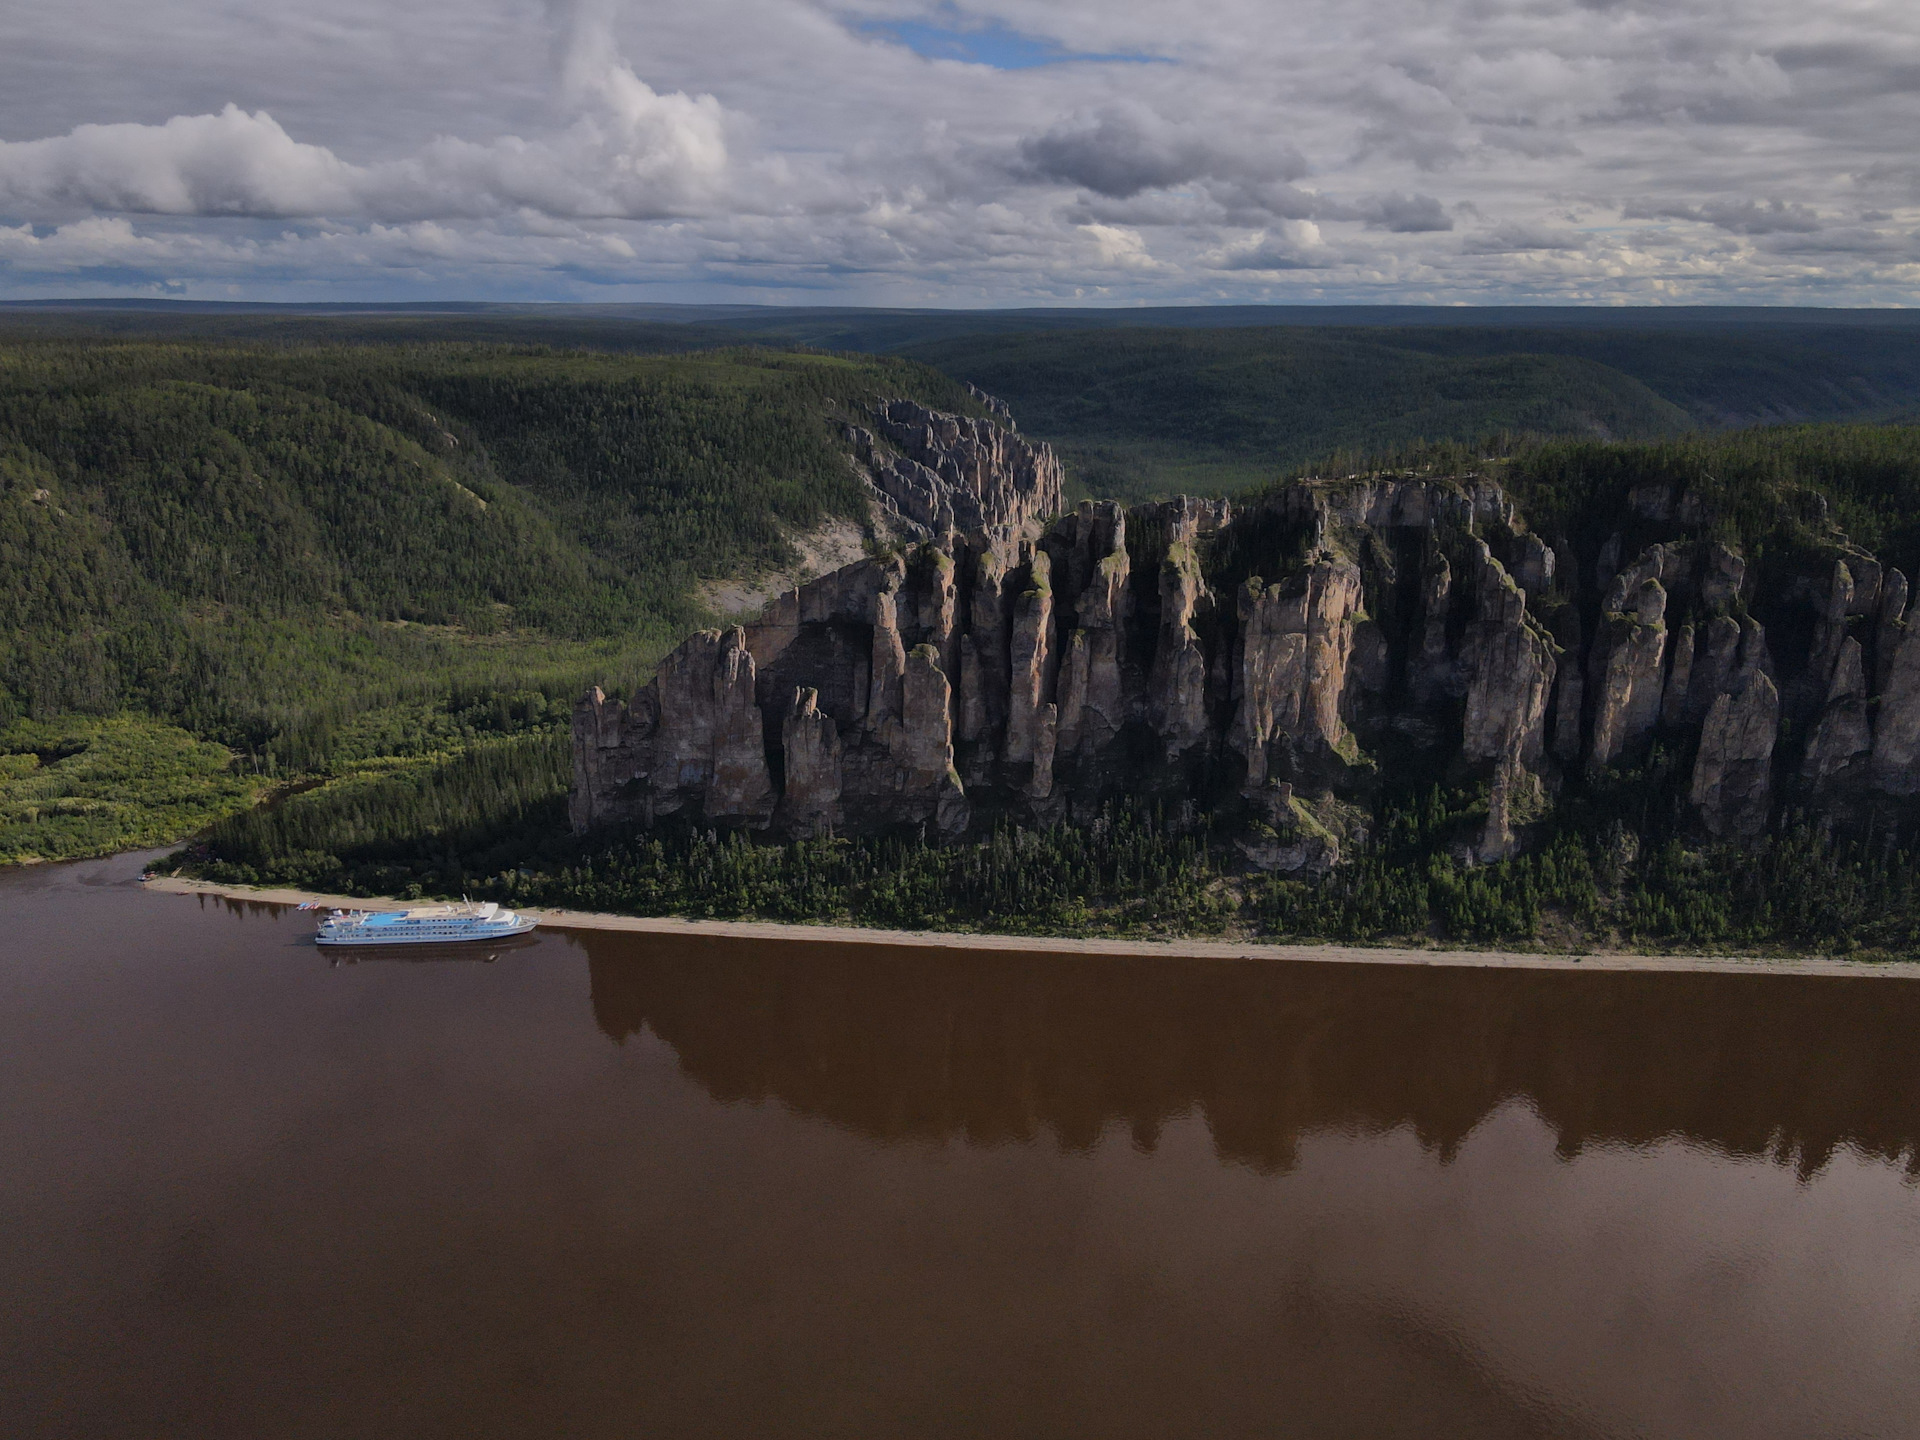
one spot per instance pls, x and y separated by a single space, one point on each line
1173 949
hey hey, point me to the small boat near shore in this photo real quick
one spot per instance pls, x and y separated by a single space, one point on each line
423 925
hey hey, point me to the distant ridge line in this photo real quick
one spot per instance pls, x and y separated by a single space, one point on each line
1198 316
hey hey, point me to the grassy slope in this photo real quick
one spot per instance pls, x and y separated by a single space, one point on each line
82 785
326 557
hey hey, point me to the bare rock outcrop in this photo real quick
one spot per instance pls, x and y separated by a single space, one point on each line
1028 658
1265 667
741 790
1176 693
943 473
1532 564
1893 609
1045 739
1896 736
1569 704
1510 666
1726 573
1295 644
1732 786
810 741
1829 634
1629 656
1842 738
607 758
691 742
923 745
1284 837
1433 671
1714 661
1676 699
984 682
887 662
1093 705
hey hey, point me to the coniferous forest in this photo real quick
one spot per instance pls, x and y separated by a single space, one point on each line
334 560
327 604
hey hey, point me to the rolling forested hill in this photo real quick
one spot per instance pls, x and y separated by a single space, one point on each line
246 551
1154 411
1216 398
323 557
1143 412
1619 864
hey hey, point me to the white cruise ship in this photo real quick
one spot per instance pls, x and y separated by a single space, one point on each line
422 925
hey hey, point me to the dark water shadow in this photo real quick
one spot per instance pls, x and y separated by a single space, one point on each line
992 1047
472 951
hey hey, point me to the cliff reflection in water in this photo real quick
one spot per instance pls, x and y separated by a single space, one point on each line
995 1047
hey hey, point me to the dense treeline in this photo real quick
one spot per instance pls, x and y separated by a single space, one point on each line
328 557
1765 486
483 796
381 573
1147 411
1152 411
1615 871
248 538
1617 864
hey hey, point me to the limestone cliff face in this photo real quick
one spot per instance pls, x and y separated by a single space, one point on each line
810 742
1027 659
1732 776
1433 670
1295 644
1896 740
1176 692
1267 664
1842 739
1093 706
1627 669
693 741
1510 664
940 473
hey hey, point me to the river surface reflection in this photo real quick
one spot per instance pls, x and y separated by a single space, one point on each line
618 1185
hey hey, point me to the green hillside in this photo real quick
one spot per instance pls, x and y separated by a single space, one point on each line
348 550
1137 413
330 557
1618 868
1155 401
1756 374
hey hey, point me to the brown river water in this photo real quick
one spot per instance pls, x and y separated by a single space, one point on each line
607 1184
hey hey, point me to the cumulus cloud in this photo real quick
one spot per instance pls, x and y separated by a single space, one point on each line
1404 214
758 148
1120 247
1740 216
1292 245
631 152
1124 149
232 163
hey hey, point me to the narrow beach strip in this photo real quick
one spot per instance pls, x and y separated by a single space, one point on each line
1184 948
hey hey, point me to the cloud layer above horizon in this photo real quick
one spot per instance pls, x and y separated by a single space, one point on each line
988 152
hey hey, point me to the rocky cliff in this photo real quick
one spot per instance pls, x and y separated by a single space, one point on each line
1273 665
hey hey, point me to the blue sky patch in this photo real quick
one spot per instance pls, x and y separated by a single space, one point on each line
991 44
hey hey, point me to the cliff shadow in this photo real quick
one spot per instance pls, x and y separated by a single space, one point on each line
996 1047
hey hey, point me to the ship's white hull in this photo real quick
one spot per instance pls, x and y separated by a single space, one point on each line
426 925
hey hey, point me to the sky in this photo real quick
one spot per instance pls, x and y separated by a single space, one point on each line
986 153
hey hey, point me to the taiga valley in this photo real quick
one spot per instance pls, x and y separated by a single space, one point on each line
1588 633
